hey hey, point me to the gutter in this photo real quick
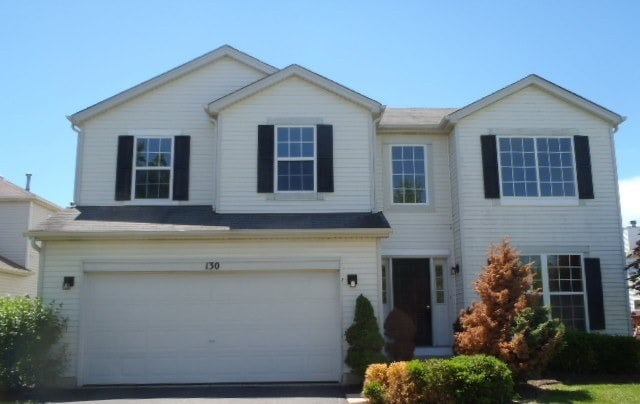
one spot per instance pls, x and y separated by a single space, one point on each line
219 233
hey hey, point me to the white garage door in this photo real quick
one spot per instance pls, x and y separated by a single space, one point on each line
210 327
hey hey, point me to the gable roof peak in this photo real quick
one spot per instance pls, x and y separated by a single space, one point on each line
221 103
181 70
535 80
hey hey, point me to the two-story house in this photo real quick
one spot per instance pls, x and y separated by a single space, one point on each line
228 213
20 210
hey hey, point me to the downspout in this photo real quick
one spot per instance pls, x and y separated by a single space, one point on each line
627 307
79 161
213 118
374 152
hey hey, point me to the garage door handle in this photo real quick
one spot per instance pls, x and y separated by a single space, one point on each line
212 340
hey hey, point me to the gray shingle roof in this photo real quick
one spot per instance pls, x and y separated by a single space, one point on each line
413 116
198 218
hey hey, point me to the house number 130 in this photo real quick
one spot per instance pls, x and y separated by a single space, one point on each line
212 265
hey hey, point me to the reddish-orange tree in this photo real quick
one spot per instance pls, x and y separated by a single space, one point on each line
503 323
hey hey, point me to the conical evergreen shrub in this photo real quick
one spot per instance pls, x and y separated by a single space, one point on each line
364 338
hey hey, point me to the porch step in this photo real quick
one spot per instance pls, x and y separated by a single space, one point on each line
433 352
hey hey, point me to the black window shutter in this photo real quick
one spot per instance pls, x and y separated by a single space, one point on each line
583 167
595 300
124 165
325 158
265 158
182 150
490 166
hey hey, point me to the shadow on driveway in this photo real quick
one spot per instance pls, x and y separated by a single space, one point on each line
236 394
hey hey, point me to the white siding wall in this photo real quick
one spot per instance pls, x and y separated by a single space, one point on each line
455 214
594 226
299 101
66 259
415 227
177 105
14 219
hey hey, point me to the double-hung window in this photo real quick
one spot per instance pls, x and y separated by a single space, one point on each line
296 158
153 165
561 278
409 174
537 167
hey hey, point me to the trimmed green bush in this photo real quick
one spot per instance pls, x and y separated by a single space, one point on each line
587 353
463 379
364 338
29 353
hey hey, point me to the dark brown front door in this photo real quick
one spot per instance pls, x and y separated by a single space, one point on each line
412 294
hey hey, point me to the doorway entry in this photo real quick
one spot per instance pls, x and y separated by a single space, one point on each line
412 294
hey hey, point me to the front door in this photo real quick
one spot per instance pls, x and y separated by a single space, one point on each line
412 294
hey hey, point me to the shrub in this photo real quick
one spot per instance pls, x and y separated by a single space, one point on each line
503 323
29 332
364 338
462 379
584 353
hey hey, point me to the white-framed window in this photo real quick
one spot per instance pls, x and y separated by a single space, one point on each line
561 278
152 176
409 174
537 167
439 286
295 158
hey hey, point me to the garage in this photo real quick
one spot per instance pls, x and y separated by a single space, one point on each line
210 327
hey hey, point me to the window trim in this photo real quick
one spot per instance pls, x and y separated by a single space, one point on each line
540 199
135 168
277 159
546 293
425 148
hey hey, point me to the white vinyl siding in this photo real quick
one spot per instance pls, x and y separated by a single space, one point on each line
290 102
66 259
591 227
174 106
419 227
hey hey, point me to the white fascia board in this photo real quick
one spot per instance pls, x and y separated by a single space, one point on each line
223 233
15 271
552 88
218 105
168 76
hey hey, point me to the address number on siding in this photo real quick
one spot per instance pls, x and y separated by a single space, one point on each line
212 265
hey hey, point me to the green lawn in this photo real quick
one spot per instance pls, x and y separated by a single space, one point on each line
586 392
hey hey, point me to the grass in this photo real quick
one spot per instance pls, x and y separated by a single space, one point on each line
582 391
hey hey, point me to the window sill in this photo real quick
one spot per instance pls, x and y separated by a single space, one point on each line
296 196
539 201
151 202
411 207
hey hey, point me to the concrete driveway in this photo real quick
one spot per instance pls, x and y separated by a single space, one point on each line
235 394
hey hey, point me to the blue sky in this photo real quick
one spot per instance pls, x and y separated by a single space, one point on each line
58 57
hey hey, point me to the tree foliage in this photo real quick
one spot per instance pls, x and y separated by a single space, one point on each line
633 263
364 338
508 321
30 355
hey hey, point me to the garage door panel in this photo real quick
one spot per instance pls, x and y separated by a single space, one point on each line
211 327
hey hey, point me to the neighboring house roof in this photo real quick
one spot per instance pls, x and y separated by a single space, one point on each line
10 192
407 118
546 85
8 266
176 221
294 71
223 51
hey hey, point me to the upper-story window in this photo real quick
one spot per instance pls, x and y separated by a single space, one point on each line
538 169
540 166
153 168
408 174
296 158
